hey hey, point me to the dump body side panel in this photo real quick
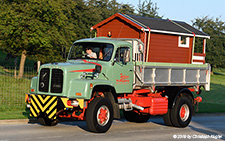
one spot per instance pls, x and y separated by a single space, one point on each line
170 74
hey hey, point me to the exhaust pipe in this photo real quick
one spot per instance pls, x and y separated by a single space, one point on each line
127 105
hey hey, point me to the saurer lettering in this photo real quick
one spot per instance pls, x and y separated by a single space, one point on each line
123 79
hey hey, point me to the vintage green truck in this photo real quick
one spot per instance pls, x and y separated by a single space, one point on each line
97 89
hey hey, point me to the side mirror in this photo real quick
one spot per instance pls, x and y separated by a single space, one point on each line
114 60
64 53
98 69
37 65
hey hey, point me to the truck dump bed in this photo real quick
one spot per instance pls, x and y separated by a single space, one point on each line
172 74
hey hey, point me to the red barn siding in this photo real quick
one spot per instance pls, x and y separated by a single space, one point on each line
119 29
164 48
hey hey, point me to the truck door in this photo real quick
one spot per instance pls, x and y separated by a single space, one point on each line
122 71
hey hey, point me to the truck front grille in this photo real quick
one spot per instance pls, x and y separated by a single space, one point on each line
57 81
44 80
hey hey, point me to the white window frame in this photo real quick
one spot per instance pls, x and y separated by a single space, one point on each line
184 45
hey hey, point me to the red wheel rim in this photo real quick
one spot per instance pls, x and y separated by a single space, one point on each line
184 112
103 115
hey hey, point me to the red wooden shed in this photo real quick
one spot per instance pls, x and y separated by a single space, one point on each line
165 40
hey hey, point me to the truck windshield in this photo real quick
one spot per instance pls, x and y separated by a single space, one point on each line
89 50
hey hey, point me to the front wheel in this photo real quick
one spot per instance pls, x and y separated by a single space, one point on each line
99 115
181 114
48 122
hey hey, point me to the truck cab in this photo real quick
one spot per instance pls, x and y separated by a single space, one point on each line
114 57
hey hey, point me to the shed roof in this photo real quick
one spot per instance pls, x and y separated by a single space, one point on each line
158 25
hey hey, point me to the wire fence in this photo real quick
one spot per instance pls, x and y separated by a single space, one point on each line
12 89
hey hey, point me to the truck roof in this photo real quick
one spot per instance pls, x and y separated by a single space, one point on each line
113 41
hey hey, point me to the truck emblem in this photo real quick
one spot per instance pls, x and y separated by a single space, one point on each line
123 79
43 76
42 84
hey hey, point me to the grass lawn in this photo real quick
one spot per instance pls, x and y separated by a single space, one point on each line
214 100
16 114
12 94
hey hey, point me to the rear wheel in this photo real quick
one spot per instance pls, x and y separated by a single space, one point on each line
181 114
99 115
136 117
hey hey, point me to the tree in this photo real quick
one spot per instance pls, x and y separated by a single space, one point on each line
99 10
40 28
106 8
215 49
148 9
36 28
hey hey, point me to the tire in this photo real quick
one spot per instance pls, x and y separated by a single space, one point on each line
47 122
181 114
136 117
167 119
99 115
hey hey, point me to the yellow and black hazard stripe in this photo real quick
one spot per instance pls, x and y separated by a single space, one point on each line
43 104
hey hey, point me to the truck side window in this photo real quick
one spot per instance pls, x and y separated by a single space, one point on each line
123 55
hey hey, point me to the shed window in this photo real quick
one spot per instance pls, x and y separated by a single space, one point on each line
183 41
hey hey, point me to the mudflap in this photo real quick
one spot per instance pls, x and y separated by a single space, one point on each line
43 105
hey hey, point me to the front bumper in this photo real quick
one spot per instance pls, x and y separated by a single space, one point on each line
50 106
42 104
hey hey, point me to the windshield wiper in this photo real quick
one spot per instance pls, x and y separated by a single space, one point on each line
107 53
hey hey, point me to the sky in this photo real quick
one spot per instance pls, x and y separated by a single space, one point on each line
186 10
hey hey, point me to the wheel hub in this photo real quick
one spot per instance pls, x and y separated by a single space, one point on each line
184 112
103 115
